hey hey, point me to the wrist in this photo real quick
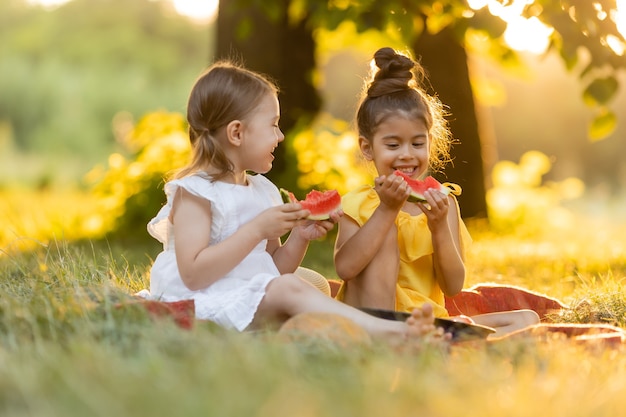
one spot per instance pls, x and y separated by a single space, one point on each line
387 210
254 233
440 231
300 236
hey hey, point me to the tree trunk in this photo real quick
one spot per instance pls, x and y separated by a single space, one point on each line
286 53
445 60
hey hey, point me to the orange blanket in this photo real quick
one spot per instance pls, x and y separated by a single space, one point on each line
183 313
594 336
491 298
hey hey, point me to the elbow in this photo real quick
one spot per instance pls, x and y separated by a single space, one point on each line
450 289
344 273
344 277
192 285
345 266
192 282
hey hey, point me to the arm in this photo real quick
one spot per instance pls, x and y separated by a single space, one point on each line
289 256
447 256
357 246
200 262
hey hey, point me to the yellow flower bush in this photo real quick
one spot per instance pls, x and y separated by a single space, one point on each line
129 189
519 201
329 156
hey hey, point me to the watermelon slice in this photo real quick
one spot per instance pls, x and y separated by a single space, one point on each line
419 187
321 204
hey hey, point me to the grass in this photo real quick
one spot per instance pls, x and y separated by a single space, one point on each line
67 349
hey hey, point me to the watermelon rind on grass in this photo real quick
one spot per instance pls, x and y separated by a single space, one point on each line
321 204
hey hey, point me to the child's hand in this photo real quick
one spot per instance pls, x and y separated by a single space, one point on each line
435 208
392 191
279 220
315 229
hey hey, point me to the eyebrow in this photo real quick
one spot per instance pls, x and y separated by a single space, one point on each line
395 136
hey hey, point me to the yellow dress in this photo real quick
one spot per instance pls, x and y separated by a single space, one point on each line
416 282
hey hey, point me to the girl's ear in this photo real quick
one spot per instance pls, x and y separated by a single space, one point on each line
233 132
366 148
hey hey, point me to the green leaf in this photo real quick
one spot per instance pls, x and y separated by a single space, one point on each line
600 91
484 20
587 70
569 55
603 125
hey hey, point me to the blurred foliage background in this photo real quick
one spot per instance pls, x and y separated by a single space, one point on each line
76 78
93 95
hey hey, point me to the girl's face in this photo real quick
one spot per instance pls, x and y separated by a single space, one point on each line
399 142
261 136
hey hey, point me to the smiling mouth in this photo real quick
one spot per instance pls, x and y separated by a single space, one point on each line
408 171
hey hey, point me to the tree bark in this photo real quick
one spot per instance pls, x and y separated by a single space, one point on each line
445 61
286 53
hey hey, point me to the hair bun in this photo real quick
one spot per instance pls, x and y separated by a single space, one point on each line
395 72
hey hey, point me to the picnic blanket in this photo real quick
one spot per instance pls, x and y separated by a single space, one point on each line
595 335
491 298
479 299
183 313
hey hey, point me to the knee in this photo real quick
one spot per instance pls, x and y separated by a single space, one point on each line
288 284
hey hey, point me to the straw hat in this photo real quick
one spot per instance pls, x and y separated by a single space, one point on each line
314 278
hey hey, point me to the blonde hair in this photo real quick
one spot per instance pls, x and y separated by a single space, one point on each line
395 85
226 91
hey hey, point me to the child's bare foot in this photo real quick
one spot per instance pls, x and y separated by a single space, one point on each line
422 333
421 322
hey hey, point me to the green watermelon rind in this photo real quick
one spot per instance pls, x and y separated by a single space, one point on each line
320 217
419 198
416 198
285 195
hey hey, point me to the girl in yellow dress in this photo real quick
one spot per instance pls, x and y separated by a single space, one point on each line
390 253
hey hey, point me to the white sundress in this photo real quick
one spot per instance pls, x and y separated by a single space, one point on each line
231 301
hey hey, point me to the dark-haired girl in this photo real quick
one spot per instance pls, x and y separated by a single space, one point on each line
391 253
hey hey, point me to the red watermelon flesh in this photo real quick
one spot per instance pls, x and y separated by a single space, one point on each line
321 204
419 187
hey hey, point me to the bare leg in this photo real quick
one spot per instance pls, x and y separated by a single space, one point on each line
507 321
287 296
375 286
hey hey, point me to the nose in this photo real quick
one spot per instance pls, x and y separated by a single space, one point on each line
281 136
405 152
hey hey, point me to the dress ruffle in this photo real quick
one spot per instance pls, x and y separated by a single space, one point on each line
197 185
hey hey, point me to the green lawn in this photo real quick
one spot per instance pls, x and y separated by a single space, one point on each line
67 349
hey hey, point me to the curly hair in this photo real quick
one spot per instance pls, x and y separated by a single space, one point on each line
395 85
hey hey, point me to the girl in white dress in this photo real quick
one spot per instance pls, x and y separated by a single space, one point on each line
221 226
